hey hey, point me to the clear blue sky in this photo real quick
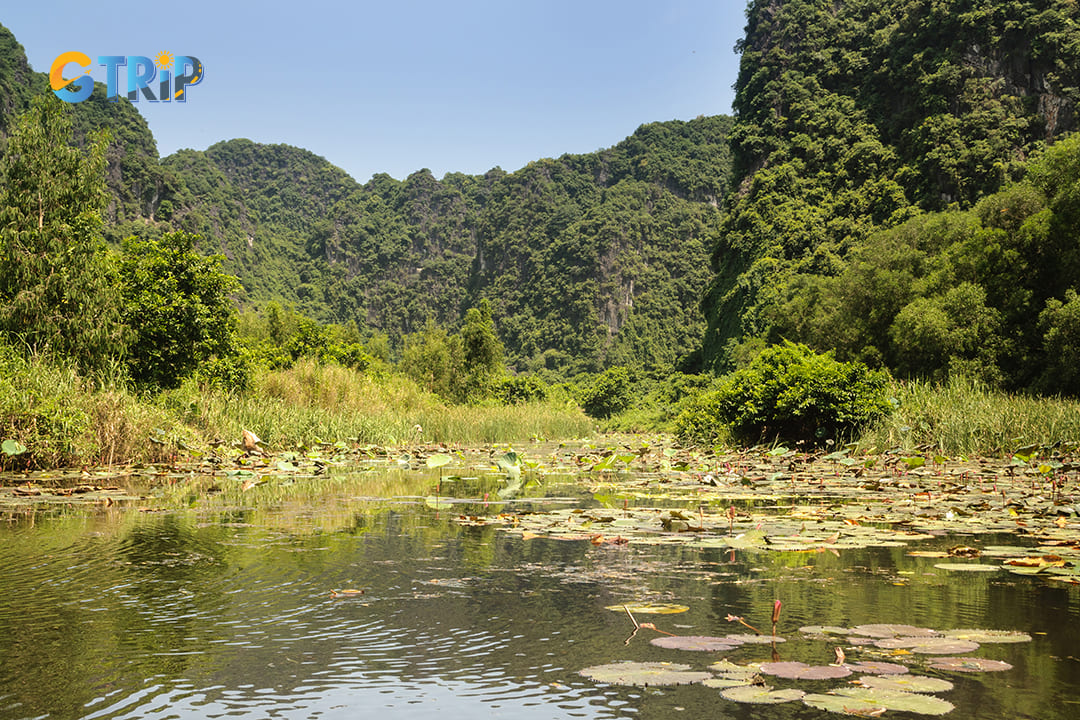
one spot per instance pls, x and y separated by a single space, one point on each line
393 87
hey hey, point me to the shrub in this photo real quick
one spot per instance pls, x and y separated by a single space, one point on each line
610 393
788 392
521 389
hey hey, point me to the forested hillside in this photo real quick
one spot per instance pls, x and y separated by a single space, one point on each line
587 260
894 199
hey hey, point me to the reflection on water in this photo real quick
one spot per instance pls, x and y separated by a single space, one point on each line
117 613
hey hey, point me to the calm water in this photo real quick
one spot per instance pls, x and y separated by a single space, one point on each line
121 613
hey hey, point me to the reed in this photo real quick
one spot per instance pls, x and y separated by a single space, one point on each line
963 416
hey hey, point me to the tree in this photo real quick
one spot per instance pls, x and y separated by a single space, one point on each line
178 304
56 288
482 354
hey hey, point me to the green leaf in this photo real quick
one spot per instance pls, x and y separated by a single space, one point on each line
438 460
13 447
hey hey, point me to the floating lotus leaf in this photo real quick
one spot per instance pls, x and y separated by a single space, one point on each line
644 674
843 705
725 681
695 642
968 567
928 646
802 671
824 630
877 667
907 683
726 667
970 664
748 639
881 630
898 700
989 636
650 608
761 694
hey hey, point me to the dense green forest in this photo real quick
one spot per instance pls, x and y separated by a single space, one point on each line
903 193
587 260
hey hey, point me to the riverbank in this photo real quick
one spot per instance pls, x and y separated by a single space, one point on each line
51 417
58 418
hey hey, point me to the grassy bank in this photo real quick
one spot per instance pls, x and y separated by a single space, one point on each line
965 417
64 420
960 417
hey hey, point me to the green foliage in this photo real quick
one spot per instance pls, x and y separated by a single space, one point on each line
56 288
853 120
521 389
789 392
178 305
611 392
1059 324
435 360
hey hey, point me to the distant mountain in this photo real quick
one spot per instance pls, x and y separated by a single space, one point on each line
588 260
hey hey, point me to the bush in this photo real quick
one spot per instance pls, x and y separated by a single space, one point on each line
788 392
521 389
610 393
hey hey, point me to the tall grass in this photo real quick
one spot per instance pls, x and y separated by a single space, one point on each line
64 419
963 416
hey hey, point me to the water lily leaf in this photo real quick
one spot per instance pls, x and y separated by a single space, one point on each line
730 669
802 671
968 567
877 667
928 646
907 683
913 462
899 700
989 636
725 681
438 460
695 642
824 630
761 694
286 466
644 674
843 705
437 502
749 639
12 447
970 664
650 608
881 630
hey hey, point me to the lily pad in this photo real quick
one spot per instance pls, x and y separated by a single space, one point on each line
843 705
877 667
968 567
650 608
989 636
703 643
802 671
761 694
824 630
749 639
730 669
881 630
928 646
899 700
725 681
970 664
644 674
907 683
